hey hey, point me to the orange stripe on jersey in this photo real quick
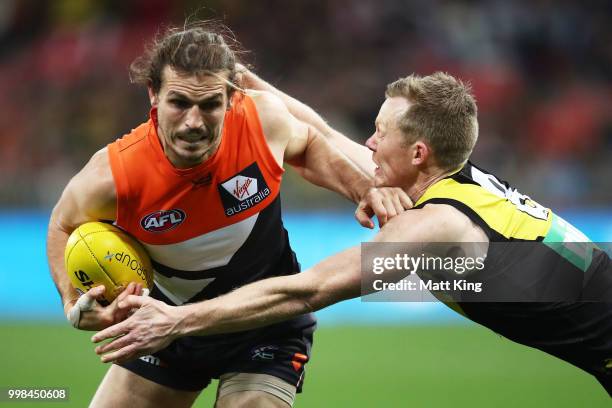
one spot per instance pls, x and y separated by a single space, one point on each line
160 204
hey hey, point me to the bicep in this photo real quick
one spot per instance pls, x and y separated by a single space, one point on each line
300 136
286 136
89 196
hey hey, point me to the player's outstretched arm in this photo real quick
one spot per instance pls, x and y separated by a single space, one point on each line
358 153
89 196
334 279
320 162
155 324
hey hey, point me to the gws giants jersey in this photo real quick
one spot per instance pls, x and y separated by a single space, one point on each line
210 228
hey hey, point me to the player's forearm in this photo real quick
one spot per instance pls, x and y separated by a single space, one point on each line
259 304
275 299
298 109
325 166
57 238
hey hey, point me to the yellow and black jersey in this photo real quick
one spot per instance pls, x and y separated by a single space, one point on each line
506 215
546 284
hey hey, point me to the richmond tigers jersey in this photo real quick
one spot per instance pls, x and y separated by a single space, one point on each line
210 228
505 214
535 255
559 283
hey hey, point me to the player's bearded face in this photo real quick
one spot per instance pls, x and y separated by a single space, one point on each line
190 114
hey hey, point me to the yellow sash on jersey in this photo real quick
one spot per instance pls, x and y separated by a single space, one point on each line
499 213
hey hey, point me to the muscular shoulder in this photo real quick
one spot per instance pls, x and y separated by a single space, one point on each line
90 195
98 167
432 223
274 116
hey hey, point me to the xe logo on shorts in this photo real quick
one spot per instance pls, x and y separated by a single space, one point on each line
243 191
264 352
163 220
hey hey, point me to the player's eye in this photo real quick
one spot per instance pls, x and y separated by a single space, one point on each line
180 103
209 106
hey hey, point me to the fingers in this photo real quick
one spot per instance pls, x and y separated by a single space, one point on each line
240 68
120 356
363 215
96 292
116 344
85 303
133 301
130 289
112 331
380 206
385 203
397 204
114 313
404 199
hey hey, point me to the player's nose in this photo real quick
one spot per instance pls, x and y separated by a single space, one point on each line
371 143
193 118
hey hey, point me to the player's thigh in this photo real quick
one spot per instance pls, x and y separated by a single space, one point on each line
245 399
122 388
237 390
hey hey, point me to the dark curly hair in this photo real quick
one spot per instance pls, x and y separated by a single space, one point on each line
196 48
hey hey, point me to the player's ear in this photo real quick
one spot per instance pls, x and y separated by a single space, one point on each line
230 97
153 96
420 153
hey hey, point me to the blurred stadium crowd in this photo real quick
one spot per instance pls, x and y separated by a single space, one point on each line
541 72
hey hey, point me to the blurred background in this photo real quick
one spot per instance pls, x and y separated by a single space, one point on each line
540 70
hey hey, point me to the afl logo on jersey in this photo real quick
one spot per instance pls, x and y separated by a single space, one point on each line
163 220
243 191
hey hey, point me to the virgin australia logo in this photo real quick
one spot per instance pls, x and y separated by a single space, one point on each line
244 190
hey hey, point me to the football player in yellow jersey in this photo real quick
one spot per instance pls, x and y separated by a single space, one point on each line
550 287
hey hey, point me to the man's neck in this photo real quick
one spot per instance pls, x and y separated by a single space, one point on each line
426 180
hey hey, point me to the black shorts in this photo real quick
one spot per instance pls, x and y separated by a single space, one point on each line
190 363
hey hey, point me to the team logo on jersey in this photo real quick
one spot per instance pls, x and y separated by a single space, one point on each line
244 190
163 220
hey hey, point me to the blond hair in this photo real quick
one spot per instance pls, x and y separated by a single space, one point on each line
443 114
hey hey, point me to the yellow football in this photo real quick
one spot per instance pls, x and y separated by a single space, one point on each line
101 254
